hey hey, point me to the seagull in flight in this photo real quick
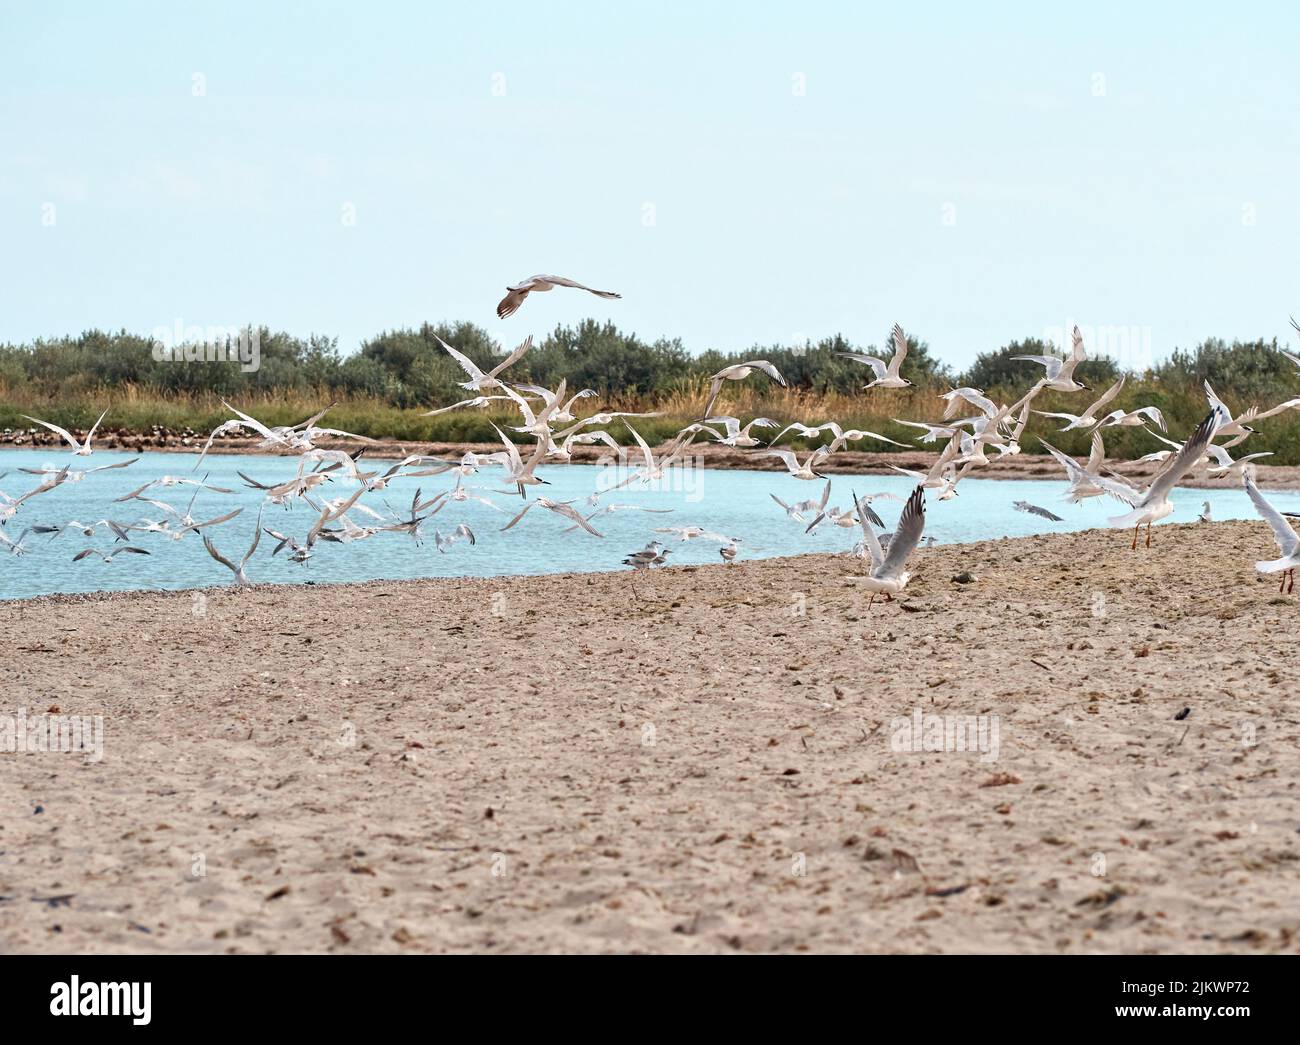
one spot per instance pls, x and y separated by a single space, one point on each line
1059 373
888 576
1033 509
795 511
479 381
562 508
516 294
75 475
79 449
1089 417
1081 476
462 532
241 577
133 549
1288 542
806 470
887 375
738 372
1152 504
1225 465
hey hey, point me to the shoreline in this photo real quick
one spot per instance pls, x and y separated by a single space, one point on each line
700 758
844 462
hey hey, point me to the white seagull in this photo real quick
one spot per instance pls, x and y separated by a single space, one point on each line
887 576
516 294
1059 374
479 381
241 577
1152 504
738 372
79 449
886 373
1288 542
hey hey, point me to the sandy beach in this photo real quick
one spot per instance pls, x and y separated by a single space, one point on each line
700 759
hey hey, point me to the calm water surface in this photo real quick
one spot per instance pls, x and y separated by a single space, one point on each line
735 503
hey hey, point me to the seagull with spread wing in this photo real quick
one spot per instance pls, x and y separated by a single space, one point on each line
79 449
1089 417
1152 504
1059 373
561 508
1288 542
479 381
738 372
888 576
516 294
887 375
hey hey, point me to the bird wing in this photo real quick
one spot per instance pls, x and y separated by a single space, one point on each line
1290 404
509 304
514 356
528 507
645 449
1106 397
907 534
1287 539
878 365
873 542
1077 354
560 281
212 550
1096 453
513 462
257 536
1181 463
56 429
466 364
900 350
573 514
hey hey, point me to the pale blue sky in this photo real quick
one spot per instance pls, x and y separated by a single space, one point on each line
775 214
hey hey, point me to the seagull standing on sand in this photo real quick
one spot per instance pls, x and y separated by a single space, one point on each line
887 576
1205 513
516 294
1288 542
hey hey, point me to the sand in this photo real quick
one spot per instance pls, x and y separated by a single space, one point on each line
673 762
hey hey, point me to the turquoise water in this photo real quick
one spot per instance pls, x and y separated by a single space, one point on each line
733 503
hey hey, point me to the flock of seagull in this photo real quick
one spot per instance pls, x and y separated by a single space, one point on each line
547 417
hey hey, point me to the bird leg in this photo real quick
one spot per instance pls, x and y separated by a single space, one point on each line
1148 535
1133 546
1282 586
871 600
1291 586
